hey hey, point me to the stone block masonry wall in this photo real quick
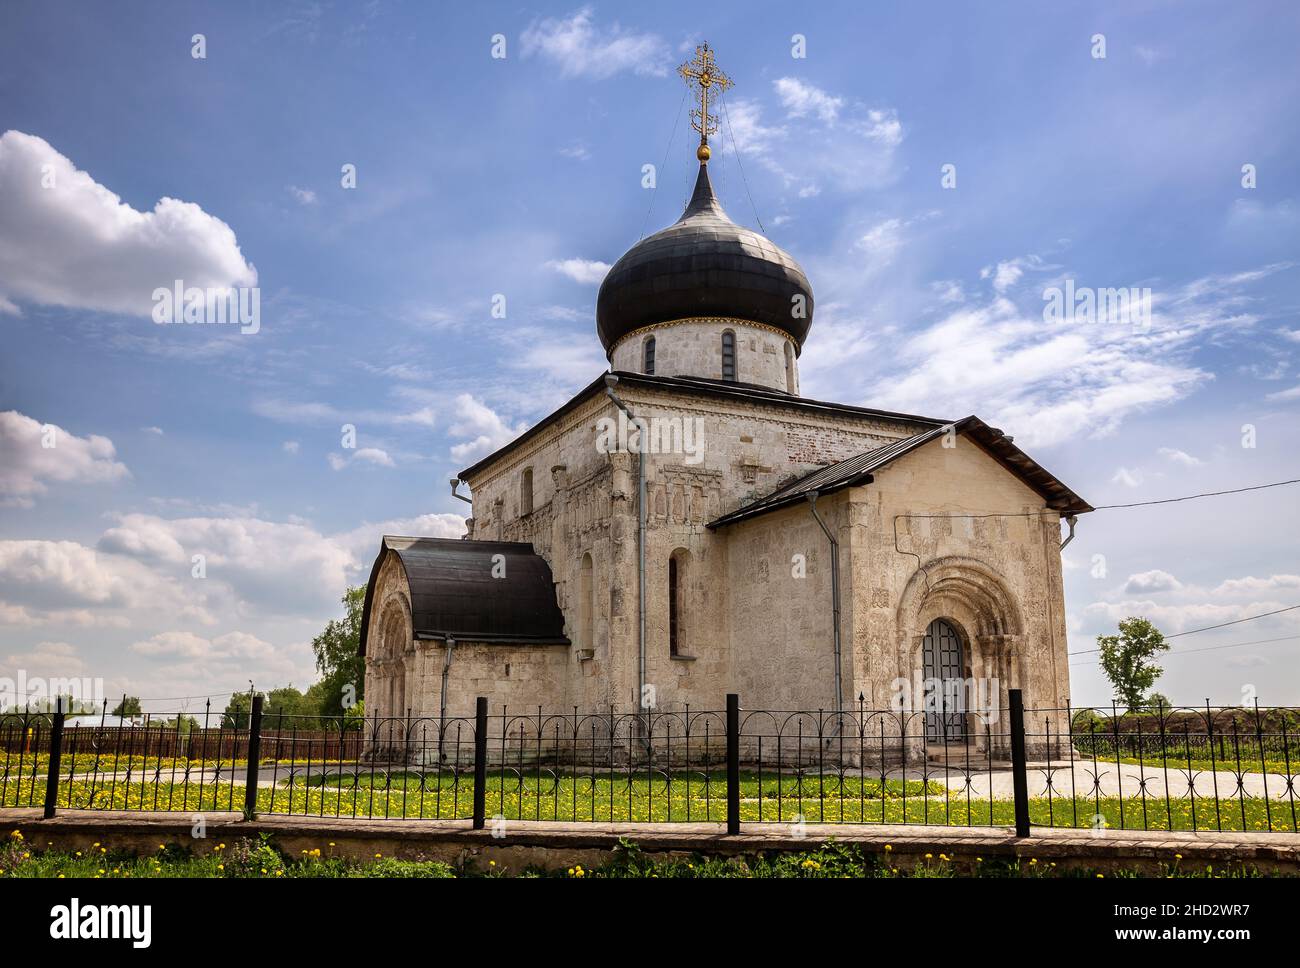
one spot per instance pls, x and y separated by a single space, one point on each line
693 347
948 533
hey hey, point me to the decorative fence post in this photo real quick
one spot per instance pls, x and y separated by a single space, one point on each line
56 751
254 760
480 762
733 763
1019 776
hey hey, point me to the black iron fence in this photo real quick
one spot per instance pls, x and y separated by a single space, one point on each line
1152 769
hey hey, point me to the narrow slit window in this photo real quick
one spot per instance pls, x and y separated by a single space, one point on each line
649 366
526 491
728 355
674 624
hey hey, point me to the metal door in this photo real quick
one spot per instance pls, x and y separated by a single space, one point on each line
942 660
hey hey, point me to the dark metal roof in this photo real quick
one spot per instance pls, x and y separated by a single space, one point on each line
453 591
725 389
704 264
857 470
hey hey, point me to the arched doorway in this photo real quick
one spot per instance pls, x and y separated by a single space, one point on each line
944 675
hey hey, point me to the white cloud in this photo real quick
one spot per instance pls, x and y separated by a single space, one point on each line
273 567
1127 477
27 467
824 141
67 241
581 49
48 659
485 429
1046 380
66 583
1150 55
801 99
362 542
291 447
187 645
318 412
303 196
1250 585
1006 274
577 151
1148 582
586 271
1285 395
364 455
883 239
156 431
1179 457
1175 617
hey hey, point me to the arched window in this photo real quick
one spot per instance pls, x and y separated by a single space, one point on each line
586 610
526 491
649 365
728 355
678 601
674 602
789 368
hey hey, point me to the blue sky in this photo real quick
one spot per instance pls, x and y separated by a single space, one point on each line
521 176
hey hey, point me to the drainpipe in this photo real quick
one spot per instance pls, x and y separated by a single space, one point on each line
455 483
611 381
1070 519
835 597
450 643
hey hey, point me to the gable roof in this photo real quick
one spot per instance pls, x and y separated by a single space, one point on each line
721 389
857 470
454 592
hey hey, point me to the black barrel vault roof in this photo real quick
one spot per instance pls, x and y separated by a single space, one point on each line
454 593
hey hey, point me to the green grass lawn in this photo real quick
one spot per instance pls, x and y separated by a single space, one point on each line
639 798
1230 765
261 858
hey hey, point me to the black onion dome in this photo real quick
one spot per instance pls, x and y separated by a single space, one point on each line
704 264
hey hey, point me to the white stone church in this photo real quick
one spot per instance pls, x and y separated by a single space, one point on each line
803 554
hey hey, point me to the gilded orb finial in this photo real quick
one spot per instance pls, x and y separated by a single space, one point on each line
703 75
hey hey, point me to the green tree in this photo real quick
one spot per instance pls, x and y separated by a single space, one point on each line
338 659
129 706
1126 660
279 707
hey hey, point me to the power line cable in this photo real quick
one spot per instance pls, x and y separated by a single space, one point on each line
1208 648
736 148
655 191
1210 628
1191 497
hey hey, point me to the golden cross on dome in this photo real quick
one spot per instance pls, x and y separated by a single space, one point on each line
702 74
